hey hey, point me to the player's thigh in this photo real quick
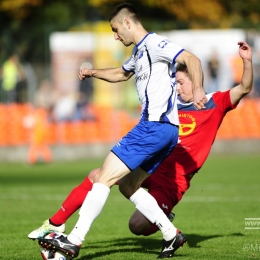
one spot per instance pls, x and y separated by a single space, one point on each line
111 171
183 182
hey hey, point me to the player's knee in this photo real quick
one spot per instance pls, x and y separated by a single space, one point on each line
93 173
135 228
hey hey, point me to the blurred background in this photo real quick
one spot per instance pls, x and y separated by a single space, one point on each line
47 114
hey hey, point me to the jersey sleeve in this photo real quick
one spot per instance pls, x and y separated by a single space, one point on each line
223 101
164 49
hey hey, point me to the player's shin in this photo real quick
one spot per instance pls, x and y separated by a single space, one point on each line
148 206
91 208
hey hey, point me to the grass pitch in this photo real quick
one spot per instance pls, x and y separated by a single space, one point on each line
212 213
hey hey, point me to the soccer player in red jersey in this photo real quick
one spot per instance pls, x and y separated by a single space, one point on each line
197 132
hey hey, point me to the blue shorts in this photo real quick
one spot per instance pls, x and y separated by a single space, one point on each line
146 145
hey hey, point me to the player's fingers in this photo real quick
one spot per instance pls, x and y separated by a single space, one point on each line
86 73
199 104
243 45
204 100
80 76
196 105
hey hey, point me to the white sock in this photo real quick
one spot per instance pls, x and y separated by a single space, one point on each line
90 209
149 207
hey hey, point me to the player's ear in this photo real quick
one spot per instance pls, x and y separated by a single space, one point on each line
127 23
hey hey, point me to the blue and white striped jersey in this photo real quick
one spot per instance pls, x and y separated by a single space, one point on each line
152 61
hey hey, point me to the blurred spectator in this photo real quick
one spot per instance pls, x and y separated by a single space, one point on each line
37 122
31 83
45 95
12 80
86 87
236 64
256 62
85 97
65 106
71 107
213 71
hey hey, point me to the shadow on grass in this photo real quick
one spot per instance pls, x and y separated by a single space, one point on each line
142 245
194 239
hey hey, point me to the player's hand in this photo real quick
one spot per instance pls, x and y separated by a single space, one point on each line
245 51
85 73
199 99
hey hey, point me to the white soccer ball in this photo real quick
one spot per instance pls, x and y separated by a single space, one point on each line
49 254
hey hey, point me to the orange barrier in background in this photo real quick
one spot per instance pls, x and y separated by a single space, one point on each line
110 125
243 122
12 130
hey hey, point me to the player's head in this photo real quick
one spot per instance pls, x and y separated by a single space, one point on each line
125 10
184 83
123 18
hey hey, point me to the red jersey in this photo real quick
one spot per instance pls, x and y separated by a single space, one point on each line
197 132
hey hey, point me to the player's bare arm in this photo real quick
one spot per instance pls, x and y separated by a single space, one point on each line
246 84
195 71
110 74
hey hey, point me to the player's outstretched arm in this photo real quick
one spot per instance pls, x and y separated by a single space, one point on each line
195 71
246 84
110 74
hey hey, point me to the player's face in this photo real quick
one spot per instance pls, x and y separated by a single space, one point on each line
184 86
120 32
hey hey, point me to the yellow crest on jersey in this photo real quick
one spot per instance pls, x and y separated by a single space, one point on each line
187 128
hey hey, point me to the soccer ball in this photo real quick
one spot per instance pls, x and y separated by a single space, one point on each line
49 254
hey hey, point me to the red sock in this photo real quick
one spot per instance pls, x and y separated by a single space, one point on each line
151 230
72 203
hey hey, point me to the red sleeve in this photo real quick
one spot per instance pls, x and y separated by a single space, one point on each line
223 101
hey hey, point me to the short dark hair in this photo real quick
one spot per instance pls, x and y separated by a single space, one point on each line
183 68
127 8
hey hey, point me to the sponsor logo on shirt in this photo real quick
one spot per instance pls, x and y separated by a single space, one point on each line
141 55
164 206
163 43
142 77
140 69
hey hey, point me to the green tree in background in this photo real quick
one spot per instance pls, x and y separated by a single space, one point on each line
25 25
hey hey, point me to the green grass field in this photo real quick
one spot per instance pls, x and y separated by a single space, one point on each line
212 213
